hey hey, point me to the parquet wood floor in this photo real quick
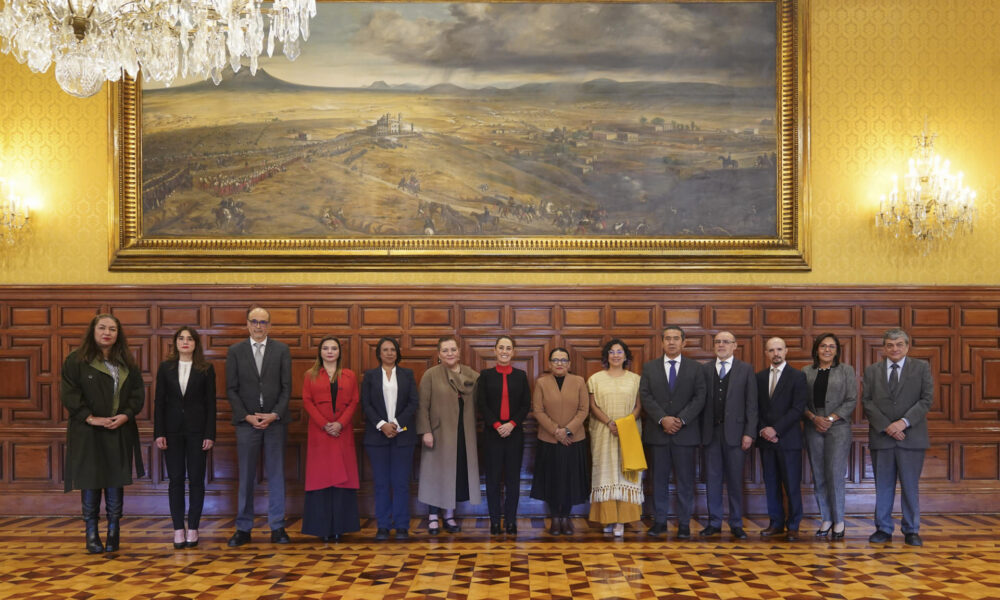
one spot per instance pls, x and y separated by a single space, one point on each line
44 558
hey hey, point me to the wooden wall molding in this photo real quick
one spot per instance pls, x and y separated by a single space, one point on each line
955 328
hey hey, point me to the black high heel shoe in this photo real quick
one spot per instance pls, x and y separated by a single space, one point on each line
838 535
451 525
823 532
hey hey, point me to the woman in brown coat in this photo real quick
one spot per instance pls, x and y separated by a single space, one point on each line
561 403
446 420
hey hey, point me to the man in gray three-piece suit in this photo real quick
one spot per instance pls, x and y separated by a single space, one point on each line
728 427
258 385
898 392
672 392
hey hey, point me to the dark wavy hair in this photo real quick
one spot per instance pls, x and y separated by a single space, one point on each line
815 351
378 349
198 359
119 353
607 349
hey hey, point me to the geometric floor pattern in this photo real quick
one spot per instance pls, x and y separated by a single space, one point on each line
44 558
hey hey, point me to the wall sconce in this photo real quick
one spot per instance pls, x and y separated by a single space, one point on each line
934 204
15 213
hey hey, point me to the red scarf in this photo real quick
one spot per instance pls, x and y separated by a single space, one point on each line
504 396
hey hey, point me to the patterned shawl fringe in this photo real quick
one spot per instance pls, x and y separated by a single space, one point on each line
617 492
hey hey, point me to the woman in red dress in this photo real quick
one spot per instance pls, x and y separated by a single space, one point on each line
330 397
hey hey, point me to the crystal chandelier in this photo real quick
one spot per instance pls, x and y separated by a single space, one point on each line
934 204
92 41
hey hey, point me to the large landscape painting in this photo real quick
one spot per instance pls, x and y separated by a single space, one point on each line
423 121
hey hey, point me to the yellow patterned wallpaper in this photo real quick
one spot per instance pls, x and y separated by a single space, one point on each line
877 68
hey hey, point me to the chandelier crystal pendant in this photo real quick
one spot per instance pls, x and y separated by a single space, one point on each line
93 41
933 203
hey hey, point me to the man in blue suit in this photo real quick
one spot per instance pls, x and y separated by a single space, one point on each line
782 393
898 392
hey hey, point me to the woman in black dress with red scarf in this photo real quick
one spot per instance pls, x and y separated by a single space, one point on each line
504 400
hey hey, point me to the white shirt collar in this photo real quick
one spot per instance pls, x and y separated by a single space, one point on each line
888 364
677 361
253 343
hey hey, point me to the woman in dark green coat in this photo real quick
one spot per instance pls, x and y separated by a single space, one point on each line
102 391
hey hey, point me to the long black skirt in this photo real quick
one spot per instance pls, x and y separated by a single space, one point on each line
330 511
562 477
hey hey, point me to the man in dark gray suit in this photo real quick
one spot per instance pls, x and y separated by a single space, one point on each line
728 427
258 385
672 392
898 392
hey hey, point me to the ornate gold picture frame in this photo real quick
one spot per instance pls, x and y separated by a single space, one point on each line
554 157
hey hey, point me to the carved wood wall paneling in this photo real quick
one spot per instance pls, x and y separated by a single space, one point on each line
954 328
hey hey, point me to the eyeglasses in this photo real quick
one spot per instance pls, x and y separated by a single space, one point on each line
616 352
828 346
257 323
559 361
724 342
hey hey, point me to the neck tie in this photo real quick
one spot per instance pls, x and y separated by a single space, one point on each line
774 381
672 374
504 396
894 378
258 355
722 369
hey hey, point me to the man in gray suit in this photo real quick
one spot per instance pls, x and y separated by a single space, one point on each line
728 427
672 391
898 392
258 385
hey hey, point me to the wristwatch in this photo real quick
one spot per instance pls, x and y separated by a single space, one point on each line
830 418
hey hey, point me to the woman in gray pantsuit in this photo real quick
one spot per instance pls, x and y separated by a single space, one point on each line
833 395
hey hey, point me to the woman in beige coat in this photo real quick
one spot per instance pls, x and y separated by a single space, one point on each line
561 404
446 420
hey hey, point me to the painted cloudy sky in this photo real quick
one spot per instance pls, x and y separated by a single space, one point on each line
479 44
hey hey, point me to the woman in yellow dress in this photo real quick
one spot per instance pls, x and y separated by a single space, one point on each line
615 499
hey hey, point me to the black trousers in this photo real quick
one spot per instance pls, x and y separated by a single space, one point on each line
502 459
184 455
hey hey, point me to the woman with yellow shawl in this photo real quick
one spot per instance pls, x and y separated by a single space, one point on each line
615 496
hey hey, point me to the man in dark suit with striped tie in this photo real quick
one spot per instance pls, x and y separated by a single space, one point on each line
782 393
898 392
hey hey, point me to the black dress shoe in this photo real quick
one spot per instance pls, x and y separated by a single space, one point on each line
239 538
278 536
793 535
738 533
180 545
382 534
837 535
495 528
335 538
452 526
683 532
402 534
772 530
512 528
567 526
880 537
191 544
710 530
823 532
657 529
433 526
556 527
912 539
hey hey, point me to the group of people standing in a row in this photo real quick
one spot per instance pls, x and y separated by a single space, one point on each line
721 406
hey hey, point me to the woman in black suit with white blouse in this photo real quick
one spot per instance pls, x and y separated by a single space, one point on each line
184 427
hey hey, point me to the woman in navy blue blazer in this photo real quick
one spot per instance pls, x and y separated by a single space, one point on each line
184 427
389 401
